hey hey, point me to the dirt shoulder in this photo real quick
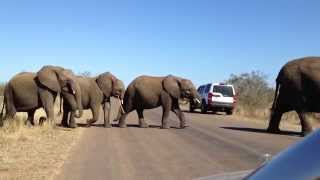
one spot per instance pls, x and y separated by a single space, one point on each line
34 153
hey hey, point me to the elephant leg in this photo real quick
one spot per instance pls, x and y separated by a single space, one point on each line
47 100
128 108
122 121
142 122
42 119
30 119
10 112
9 115
95 115
107 114
166 107
64 121
72 122
306 126
176 109
274 124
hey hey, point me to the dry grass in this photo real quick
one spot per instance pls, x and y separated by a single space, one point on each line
34 152
289 120
255 99
37 152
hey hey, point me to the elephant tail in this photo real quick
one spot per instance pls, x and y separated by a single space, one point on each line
2 110
276 94
7 104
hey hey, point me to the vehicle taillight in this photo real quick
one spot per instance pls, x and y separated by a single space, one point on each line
210 95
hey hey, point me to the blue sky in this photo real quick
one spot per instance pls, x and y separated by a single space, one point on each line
204 40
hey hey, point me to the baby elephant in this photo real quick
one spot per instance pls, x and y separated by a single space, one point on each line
147 92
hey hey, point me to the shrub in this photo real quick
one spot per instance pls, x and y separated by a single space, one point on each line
255 96
2 85
85 74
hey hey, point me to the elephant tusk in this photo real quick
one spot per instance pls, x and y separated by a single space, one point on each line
73 92
197 100
121 107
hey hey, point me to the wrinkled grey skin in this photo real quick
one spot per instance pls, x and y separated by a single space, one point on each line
26 92
96 93
147 92
297 89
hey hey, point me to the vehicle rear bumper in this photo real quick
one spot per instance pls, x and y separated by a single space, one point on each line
219 105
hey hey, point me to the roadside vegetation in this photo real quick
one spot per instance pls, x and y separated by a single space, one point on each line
85 74
2 89
255 97
34 152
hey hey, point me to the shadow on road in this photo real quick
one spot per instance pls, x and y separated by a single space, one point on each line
255 130
116 125
137 126
209 112
93 125
151 126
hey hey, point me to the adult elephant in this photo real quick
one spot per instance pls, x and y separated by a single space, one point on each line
95 92
26 92
147 92
297 89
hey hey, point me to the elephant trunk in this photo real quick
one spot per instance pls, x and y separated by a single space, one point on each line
120 113
121 110
121 106
196 98
79 103
79 113
196 101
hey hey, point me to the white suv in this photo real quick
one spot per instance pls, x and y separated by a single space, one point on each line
216 97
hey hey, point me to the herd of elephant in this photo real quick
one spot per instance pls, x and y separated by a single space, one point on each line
297 89
28 91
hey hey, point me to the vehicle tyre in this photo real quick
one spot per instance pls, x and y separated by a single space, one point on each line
203 107
229 112
191 108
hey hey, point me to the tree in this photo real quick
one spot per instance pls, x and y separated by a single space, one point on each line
252 89
85 74
2 85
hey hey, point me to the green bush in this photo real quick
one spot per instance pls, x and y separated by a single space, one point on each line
254 94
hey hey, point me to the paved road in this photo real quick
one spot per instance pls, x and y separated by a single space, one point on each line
212 144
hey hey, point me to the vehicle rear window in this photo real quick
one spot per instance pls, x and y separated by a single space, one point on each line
226 91
207 88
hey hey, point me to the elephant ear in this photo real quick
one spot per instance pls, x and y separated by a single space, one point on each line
105 82
48 77
171 85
